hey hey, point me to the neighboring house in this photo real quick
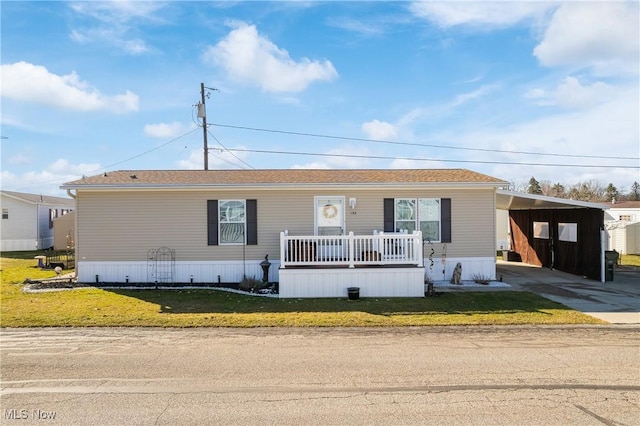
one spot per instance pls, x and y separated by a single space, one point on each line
64 232
323 230
27 219
628 211
622 221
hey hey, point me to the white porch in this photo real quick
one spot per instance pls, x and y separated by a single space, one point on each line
380 265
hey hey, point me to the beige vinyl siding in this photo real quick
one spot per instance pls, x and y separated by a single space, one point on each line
124 225
63 226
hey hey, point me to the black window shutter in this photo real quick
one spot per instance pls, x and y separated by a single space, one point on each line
252 222
389 206
212 222
445 217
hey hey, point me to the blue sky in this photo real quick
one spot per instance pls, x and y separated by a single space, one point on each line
510 89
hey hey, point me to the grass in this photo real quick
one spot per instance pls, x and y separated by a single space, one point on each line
630 259
211 308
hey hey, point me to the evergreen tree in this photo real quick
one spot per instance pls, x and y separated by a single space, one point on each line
634 194
611 193
558 190
534 186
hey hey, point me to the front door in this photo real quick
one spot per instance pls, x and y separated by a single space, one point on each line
329 221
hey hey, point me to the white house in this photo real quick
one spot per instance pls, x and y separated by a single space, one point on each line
622 221
27 219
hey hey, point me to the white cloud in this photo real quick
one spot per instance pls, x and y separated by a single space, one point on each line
34 83
340 158
218 159
117 11
404 163
379 130
571 93
484 15
164 130
254 59
601 35
367 29
47 181
114 23
608 128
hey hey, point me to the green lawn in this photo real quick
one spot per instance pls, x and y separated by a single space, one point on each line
211 308
630 259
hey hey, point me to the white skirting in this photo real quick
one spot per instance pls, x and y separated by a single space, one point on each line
295 282
471 266
373 282
197 272
24 245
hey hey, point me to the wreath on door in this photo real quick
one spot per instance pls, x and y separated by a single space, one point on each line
329 211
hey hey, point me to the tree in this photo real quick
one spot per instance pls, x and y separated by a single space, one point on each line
634 193
587 191
611 193
534 186
558 190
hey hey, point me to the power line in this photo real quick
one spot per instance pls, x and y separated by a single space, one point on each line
148 151
224 148
71 176
381 157
424 145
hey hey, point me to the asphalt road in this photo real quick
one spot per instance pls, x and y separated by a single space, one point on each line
450 375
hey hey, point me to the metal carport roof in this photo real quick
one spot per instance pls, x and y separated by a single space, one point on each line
510 200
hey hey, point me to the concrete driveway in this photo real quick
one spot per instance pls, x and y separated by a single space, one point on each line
617 301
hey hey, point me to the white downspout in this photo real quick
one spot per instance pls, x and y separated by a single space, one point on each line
75 231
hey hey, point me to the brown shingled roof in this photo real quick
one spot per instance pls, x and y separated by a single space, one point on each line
133 178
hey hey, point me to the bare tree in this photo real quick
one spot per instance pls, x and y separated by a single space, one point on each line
590 190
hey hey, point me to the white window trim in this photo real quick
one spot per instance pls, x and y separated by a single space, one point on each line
244 223
417 214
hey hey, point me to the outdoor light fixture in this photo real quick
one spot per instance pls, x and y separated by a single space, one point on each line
352 203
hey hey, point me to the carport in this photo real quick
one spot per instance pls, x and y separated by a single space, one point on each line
556 233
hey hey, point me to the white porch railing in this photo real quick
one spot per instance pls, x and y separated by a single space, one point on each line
351 250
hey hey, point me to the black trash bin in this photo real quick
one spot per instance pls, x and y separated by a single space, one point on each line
610 260
354 293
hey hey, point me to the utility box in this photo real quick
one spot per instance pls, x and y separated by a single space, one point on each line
610 260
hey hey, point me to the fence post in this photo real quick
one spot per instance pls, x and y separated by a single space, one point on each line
283 259
351 242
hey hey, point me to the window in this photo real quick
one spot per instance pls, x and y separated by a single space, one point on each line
541 230
568 232
429 218
406 215
626 217
5 213
421 214
232 222
53 214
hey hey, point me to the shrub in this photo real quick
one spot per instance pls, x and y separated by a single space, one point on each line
250 284
481 279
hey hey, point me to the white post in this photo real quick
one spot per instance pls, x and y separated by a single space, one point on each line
418 243
351 240
282 250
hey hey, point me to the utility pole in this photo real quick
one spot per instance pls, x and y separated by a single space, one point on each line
204 127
